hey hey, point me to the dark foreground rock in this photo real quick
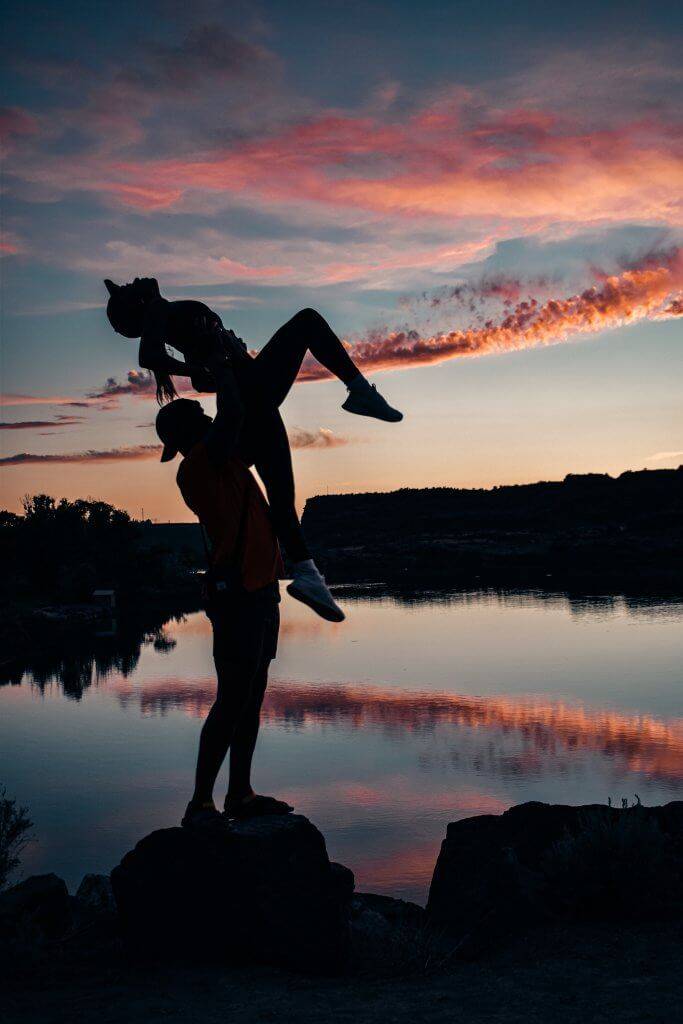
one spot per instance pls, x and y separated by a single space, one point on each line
262 891
36 909
498 875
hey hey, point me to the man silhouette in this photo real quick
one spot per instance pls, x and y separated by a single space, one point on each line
243 593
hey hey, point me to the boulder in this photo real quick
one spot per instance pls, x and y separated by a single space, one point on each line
95 895
260 891
393 937
38 908
377 918
497 875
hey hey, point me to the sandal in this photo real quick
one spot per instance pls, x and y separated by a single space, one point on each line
203 817
257 807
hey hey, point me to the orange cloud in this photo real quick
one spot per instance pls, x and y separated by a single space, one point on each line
620 299
320 438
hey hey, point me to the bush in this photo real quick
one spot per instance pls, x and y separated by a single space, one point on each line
59 551
14 825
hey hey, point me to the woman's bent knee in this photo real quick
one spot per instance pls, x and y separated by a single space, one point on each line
308 315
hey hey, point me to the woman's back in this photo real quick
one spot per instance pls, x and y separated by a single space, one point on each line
191 327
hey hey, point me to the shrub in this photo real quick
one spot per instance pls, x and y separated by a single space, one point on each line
14 826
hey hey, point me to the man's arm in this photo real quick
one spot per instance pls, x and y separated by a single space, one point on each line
225 429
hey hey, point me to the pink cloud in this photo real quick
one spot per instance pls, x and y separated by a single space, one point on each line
131 452
12 399
59 421
16 122
320 439
520 164
459 157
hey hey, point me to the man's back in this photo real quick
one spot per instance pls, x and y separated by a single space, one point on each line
229 504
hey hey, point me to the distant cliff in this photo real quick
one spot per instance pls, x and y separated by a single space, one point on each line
592 525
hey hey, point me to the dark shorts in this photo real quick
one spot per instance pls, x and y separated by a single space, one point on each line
245 630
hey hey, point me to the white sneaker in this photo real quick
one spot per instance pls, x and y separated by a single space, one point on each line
365 400
309 587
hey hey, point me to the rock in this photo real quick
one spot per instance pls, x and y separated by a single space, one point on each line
498 875
95 894
261 891
37 908
376 917
343 879
392 937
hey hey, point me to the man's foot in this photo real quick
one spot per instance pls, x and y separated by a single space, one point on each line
309 586
202 816
255 806
365 400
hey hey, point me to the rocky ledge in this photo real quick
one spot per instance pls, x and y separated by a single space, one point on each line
265 892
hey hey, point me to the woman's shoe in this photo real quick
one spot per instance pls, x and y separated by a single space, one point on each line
309 587
365 400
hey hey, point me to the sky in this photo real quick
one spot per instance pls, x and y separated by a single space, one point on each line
485 200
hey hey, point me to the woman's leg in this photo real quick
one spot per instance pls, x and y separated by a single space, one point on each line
269 448
279 361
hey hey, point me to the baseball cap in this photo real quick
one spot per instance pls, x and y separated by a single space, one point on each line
172 421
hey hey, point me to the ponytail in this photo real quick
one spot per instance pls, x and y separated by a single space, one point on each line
166 391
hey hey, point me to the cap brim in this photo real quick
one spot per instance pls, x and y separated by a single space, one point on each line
168 453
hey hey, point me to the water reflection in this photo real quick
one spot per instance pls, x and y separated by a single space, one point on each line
94 656
640 743
421 709
634 601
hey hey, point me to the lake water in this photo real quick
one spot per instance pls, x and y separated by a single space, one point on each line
381 730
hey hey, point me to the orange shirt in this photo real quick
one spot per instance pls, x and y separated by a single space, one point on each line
229 504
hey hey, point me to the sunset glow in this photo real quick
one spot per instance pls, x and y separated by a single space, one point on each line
462 186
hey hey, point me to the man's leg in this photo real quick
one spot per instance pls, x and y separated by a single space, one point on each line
217 733
244 740
236 655
241 801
